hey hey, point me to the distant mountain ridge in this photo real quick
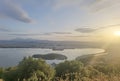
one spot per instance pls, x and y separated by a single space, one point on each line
33 43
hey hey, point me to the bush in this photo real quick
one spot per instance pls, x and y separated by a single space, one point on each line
30 69
68 67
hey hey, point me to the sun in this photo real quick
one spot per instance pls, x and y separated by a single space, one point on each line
117 33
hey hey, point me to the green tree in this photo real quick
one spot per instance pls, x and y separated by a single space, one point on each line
30 69
1 72
10 74
68 67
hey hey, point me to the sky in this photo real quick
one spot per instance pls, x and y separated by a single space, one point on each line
71 20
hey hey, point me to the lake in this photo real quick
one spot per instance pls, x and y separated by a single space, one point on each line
12 56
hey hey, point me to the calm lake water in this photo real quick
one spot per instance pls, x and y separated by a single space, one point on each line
12 56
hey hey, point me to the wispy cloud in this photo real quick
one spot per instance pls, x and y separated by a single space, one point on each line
86 30
103 4
41 34
89 29
83 36
8 8
57 4
4 29
92 5
26 34
110 26
61 32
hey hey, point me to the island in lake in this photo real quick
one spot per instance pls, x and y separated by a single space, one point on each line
50 56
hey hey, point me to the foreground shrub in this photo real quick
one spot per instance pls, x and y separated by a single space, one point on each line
68 67
30 69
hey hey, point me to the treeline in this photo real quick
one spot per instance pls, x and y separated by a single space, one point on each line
85 68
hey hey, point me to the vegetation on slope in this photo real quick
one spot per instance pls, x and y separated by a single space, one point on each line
89 68
50 56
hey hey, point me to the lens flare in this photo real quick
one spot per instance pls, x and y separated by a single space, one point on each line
117 33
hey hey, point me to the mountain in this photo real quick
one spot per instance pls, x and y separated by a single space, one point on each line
33 43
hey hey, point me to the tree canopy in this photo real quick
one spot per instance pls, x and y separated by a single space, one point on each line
30 68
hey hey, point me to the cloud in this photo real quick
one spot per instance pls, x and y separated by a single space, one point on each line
61 32
41 34
80 36
46 34
99 5
10 9
110 26
4 29
24 34
57 4
89 29
103 4
86 30
83 36
30 34
91 5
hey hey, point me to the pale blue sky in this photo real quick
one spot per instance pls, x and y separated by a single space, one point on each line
58 19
